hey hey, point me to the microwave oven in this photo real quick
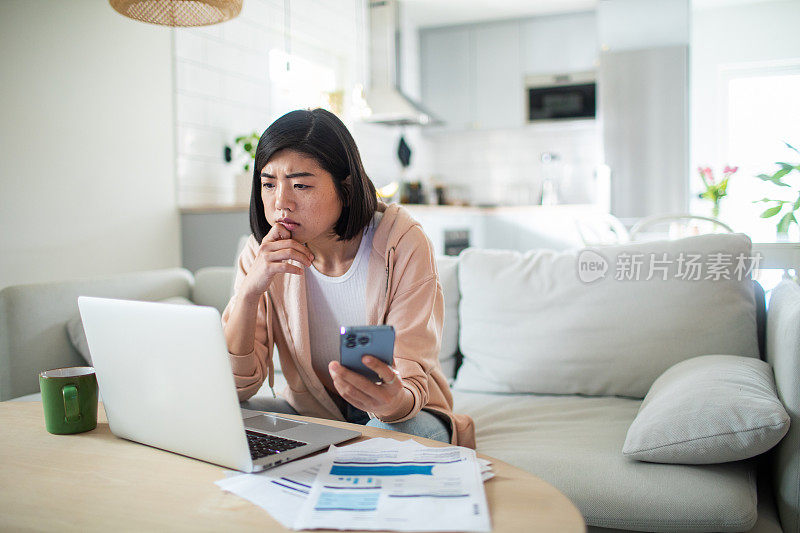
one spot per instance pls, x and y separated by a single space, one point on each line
569 96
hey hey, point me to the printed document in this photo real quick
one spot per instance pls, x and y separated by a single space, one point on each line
401 488
283 490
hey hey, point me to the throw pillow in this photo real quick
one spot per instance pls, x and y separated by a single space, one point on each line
708 409
604 322
78 337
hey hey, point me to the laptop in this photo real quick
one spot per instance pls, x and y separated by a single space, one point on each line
166 381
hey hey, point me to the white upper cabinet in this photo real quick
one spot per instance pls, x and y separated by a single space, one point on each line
499 85
560 44
447 73
473 76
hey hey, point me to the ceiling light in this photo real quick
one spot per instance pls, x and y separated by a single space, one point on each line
179 12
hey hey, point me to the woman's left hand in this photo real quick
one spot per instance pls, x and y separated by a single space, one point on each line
382 399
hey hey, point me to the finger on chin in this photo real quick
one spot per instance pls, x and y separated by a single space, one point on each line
278 232
283 233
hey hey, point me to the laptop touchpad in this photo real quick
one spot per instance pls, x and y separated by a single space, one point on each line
270 423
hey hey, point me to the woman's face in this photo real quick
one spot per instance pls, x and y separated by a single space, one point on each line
298 193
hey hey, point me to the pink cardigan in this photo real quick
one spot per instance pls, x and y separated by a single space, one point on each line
403 290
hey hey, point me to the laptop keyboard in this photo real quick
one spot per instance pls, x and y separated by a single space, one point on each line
263 445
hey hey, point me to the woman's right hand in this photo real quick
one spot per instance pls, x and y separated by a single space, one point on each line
277 248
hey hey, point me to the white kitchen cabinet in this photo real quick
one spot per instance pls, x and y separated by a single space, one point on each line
472 76
520 228
499 85
437 221
447 72
559 44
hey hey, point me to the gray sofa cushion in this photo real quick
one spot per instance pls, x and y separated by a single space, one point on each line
783 353
77 336
213 286
33 336
574 443
708 409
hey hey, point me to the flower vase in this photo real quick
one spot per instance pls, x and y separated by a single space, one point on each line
715 210
792 234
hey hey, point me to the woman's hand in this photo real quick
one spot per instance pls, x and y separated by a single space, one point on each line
383 398
272 257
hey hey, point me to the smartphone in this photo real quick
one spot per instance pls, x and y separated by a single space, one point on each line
358 341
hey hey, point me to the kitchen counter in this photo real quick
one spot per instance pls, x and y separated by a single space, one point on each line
203 209
209 234
505 227
422 208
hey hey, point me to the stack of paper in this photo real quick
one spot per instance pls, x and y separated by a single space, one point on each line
374 484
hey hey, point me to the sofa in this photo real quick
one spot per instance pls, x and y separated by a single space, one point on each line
557 364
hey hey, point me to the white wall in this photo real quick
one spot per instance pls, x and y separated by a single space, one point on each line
87 166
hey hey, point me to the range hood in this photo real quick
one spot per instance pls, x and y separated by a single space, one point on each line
387 103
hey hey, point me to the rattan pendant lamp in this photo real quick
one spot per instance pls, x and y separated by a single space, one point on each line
179 12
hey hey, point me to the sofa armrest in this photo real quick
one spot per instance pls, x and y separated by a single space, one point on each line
213 286
783 353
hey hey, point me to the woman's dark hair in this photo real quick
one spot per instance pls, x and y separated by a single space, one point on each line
319 134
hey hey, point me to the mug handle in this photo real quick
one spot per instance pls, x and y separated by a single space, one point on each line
71 408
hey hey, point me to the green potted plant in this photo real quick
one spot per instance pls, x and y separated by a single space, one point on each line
246 155
247 145
786 207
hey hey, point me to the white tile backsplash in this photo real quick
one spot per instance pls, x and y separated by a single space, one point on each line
192 110
240 32
200 142
214 32
202 173
196 78
504 166
264 14
227 59
235 117
189 45
239 90
222 81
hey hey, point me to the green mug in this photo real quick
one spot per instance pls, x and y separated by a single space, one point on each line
69 398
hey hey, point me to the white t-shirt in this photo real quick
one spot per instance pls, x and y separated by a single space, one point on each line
337 301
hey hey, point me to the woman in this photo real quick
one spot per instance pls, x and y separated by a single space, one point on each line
325 253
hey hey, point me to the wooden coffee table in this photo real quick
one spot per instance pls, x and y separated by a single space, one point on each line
96 481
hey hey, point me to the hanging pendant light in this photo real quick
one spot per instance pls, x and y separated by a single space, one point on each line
179 12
